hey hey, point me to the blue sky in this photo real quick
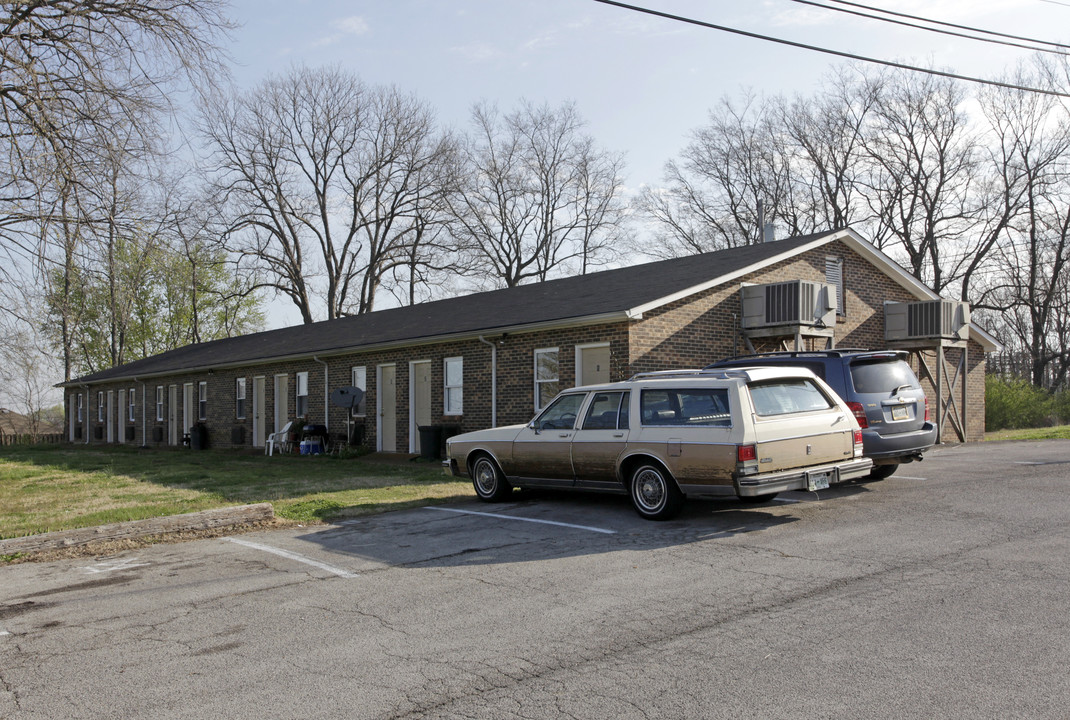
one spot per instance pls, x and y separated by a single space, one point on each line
641 82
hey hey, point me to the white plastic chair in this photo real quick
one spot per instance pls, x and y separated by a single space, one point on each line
280 438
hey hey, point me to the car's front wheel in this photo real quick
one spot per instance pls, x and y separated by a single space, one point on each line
489 481
654 492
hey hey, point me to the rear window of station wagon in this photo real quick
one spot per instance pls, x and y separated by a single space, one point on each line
783 397
689 407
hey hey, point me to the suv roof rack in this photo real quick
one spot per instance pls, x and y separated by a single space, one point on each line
689 372
834 352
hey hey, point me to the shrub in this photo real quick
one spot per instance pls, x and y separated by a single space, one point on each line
1016 403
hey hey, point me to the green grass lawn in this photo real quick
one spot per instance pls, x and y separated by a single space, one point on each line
60 487
1058 432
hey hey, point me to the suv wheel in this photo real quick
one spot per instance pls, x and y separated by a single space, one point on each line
654 493
879 472
489 482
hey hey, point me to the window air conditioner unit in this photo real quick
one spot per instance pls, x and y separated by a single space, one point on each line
796 302
927 320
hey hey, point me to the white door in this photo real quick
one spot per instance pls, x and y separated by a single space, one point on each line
592 364
282 405
110 416
387 397
259 395
172 415
420 394
187 408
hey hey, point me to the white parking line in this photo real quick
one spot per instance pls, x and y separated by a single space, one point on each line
523 519
293 556
908 477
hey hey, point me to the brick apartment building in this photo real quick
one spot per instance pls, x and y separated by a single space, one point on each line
497 357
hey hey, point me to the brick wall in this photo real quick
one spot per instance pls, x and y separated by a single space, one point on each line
687 333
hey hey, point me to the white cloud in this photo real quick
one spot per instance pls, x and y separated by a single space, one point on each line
477 52
352 25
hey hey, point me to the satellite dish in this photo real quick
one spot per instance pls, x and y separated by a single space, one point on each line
347 397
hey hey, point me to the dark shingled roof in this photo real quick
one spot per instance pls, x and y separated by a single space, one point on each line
601 293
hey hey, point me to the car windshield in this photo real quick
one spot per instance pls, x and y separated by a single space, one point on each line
882 376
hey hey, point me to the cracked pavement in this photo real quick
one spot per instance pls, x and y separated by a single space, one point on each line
942 597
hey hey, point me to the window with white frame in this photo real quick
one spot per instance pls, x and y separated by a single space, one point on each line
239 398
547 383
80 407
100 406
202 400
131 405
360 380
159 402
302 394
453 393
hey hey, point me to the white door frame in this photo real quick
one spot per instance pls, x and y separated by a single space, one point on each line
379 394
187 408
259 396
414 434
282 400
173 438
109 416
120 418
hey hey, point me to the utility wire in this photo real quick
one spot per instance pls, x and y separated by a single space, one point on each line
827 51
939 22
905 23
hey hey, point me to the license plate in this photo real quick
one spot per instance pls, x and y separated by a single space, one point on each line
900 412
818 481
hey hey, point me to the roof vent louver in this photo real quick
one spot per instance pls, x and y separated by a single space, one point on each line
927 320
796 302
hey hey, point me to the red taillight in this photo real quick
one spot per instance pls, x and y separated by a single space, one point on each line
858 437
859 413
926 408
746 452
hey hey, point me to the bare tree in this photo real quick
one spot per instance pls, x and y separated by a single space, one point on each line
733 165
329 182
921 159
536 197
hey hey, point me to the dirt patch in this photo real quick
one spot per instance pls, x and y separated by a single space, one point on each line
105 548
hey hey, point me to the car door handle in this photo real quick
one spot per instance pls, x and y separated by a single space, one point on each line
618 434
564 434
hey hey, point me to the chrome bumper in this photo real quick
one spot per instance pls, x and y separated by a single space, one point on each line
758 485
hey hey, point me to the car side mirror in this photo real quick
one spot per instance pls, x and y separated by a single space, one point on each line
533 425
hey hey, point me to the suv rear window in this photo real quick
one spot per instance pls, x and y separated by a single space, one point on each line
781 397
882 377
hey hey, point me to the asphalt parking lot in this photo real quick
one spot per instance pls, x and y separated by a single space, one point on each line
940 592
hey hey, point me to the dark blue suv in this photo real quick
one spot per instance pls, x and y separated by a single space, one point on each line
881 390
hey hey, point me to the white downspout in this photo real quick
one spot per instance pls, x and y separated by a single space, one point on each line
326 395
493 380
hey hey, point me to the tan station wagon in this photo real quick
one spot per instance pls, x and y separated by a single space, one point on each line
661 437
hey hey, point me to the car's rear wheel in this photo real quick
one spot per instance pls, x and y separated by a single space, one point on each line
879 472
489 481
654 492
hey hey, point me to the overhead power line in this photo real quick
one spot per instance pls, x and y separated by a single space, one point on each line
867 10
828 51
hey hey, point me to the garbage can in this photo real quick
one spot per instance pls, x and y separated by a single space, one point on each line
430 439
198 435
